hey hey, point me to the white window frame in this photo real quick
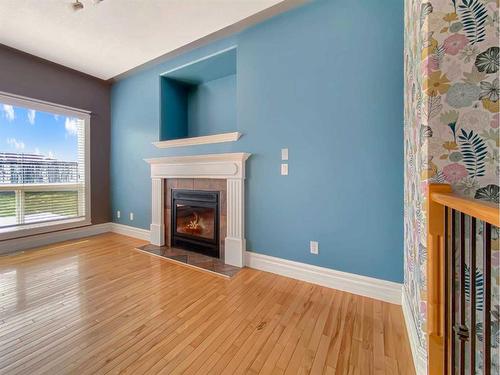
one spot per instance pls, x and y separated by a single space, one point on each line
51 226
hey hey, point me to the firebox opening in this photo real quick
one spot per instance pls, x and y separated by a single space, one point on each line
195 221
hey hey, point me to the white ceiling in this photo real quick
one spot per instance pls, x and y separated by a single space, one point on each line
114 36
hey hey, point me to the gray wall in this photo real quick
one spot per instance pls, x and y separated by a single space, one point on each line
30 76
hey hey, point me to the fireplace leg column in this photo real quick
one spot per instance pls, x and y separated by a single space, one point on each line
235 244
157 227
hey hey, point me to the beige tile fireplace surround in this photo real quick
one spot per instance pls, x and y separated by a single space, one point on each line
209 184
224 173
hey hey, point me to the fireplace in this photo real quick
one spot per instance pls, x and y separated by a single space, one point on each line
195 221
229 167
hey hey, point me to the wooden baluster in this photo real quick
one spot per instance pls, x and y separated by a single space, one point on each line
461 328
472 294
452 291
487 299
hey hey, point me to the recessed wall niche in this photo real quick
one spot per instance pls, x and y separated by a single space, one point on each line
199 98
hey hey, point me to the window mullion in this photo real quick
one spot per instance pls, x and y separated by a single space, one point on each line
20 206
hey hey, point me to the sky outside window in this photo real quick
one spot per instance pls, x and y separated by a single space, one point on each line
26 131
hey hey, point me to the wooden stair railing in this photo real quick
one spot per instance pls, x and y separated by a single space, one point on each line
447 331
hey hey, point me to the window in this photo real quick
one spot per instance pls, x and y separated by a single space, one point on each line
44 167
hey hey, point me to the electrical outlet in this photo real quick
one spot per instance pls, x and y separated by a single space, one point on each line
284 169
314 247
118 214
131 216
284 154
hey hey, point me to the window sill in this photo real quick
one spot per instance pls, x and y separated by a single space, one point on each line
40 228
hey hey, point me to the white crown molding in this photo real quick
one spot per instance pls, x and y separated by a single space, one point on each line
23 243
418 353
383 290
203 140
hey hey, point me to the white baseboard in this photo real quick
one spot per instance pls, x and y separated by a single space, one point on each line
29 242
37 240
126 230
418 353
362 285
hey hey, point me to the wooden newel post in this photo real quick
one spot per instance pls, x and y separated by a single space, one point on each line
435 280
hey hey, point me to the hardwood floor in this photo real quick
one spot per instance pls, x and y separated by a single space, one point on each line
97 306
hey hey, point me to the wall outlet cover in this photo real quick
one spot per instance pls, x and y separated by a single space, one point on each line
284 154
118 214
131 216
284 169
314 247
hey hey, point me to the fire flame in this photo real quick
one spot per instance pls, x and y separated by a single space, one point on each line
195 226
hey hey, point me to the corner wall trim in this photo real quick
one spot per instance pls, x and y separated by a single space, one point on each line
29 242
383 290
418 353
127 230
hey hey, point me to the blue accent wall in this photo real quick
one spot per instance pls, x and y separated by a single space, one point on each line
174 100
212 107
324 80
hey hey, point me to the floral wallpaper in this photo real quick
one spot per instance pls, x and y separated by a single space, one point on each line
451 124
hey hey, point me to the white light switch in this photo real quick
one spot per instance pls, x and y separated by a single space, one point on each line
284 154
131 216
118 214
314 247
284 169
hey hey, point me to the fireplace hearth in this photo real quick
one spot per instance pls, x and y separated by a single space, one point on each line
195 221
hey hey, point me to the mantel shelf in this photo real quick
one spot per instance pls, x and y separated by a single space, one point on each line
204 140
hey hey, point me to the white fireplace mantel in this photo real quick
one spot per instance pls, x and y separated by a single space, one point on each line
229 166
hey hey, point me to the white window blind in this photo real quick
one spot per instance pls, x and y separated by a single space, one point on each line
43 171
